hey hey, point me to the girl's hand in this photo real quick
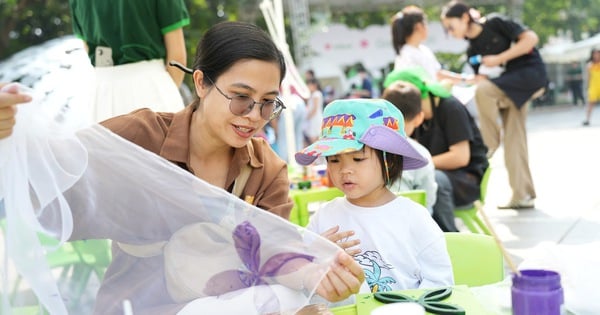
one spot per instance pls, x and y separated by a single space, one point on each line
9 97
342 239
343 280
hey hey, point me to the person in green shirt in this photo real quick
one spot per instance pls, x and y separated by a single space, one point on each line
129 43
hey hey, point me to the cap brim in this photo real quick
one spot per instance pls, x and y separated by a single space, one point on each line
326 147
388 140
438 89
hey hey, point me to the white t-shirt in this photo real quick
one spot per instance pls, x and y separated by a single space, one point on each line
402 247
421 178
411 56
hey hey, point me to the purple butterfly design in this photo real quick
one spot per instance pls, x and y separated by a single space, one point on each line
247 244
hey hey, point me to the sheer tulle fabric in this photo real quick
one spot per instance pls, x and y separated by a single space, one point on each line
217 252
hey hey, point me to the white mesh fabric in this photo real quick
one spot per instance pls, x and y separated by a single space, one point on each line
116 190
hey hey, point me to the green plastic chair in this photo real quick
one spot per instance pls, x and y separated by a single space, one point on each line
476 258
417 195
75 260
468 214
303 198
95 256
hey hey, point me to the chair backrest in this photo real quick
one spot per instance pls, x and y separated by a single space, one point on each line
304 198
417 195
484 183
476 258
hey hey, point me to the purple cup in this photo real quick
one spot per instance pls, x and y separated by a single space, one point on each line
537 292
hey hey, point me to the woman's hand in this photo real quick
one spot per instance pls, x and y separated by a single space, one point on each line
9 97
343 280
342 239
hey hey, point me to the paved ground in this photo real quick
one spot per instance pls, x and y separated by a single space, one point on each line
565 162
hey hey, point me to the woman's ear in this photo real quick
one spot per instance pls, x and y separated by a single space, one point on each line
199 83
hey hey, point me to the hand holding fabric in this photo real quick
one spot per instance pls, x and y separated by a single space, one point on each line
343 280
9 97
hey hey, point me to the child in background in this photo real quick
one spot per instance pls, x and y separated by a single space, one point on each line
401 247
593 84
407 99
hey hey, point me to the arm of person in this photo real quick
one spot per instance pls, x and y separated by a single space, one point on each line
525 43
8 99
175 47
457 156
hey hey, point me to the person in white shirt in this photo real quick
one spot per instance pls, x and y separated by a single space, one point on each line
401 247
409 31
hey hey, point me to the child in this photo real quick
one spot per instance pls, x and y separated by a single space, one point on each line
451 136
408 101
366 149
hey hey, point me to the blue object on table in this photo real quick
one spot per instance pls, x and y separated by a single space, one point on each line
429 300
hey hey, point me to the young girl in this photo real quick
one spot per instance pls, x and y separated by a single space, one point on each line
593 84
401 247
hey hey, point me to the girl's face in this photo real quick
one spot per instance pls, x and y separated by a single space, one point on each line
253 78
596 56
358 175
456 27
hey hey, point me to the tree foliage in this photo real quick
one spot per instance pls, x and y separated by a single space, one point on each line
24 23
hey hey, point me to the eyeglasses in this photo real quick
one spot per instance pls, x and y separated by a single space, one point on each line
241 105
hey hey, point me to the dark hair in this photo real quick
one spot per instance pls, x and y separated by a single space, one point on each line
456 9
406 97
403 25
394 166
226 43
594 50
315 82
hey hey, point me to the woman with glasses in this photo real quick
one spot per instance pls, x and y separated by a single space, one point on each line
237 74
496 40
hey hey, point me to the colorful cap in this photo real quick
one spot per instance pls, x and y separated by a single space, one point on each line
351 123
419 78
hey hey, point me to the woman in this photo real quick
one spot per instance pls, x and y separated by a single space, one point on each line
237 74
501 41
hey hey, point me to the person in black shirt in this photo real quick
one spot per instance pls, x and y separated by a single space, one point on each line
497 41
450 134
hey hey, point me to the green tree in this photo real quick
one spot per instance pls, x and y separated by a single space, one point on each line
24 23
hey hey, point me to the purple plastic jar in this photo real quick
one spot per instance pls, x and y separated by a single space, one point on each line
537 292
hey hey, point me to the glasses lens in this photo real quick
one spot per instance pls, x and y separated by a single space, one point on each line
278 107
241 105
267 109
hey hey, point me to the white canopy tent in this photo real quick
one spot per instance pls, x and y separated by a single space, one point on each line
568 52
272 11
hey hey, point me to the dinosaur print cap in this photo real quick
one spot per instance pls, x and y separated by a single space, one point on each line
350 124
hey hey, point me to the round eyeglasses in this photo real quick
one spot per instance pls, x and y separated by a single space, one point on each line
241 105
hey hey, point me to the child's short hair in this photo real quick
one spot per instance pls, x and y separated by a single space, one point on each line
406 97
